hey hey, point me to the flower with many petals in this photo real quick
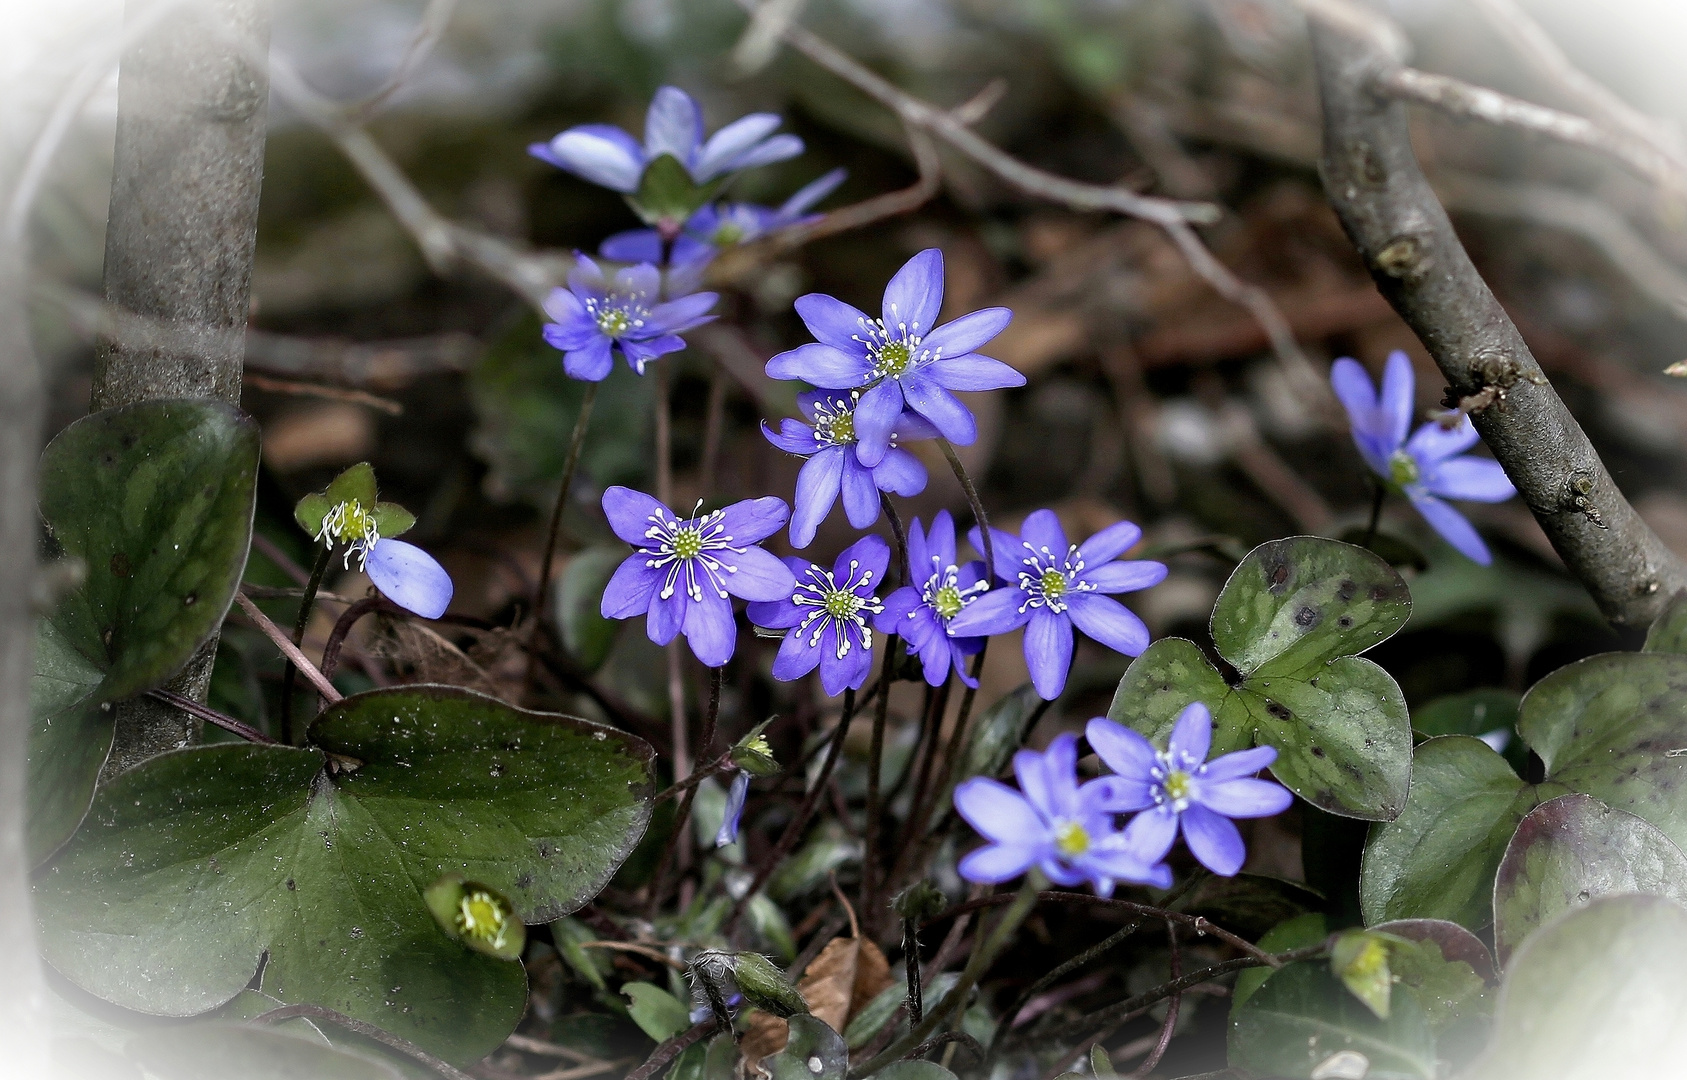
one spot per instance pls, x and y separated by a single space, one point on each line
685 571
673 126
349 512
594 315
942 588
1051 823
1178 788
826 617
834 465
1051 586
901 360
1430 466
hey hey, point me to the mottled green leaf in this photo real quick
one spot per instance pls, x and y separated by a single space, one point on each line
1668 633
1160 684
1597 994
1571 850
658 1013
217 1051
1445 966
198 863
1303 1016
156 501
1474 712
1437 859
586 634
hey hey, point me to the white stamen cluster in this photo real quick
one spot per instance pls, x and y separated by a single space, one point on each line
349 521
618 315
1047 582
834 421
837 605
895 350
687 547
943 594
1174 778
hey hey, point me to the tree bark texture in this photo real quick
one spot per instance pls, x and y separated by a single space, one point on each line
1392 216
192 99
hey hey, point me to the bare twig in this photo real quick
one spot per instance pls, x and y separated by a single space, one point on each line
331 393
1391 214
212 716
288 649
529 1045
421 45
1460 98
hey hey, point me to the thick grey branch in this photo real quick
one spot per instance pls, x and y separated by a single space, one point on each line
1391 214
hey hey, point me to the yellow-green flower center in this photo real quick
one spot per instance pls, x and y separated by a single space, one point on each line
842 604
895 358
1070 839
1403 468
613 322
482 916
948 602
687 543
1177 785
1054 583
726 234
837 428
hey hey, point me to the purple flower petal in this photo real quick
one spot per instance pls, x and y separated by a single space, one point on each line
1048 650
1007 550
968 332
999 813
630 512
778 148
1131 757
633 246
875 417
409 577
1042 532
572 332
795 659
590 364
970 371
1151 833
952 420
793 437
1371 428
666 615
936 654
630 588
1239 764
753 520
1110 543
1108 622
1452 525
911 426
996 612
940 540
601 153
1117 860
860 494
993 864
709 628
899 473
1214 840
735 797
1118 577
1396 400
1192 735
679 315
898 607
915 295
820 365
673 125
780 614
640 353
1471 478
810 194
564 307
835 323
716 155
758 576
1431 443
846 672
818 482
869 554
1245 798
640 280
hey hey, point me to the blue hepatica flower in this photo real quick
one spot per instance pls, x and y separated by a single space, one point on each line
735 796
942 588
1428 467
720 225
594 315
1054 824
611 158
685 571
826 617
1052 585
834 463
901 360
1178 788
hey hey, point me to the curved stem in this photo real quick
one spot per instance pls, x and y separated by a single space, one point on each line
368 1031
324 553
342 627
977 506
288 649
212 716
677 838
1376 514
576 442
875 762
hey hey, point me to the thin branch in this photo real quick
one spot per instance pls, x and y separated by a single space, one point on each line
668 1051
212 716
332 393
368 1031
288 649
422 43
1459 98
1400 229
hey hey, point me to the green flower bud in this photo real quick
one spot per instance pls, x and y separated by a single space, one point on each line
920 901
1360 960
753 755
479 916
765 986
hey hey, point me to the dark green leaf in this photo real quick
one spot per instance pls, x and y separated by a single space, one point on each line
197 863
765 987
586 634
1571 850
156 500
1597 993
666 192
1303 1016
1251 904
1295 933
658 1013
813 1051
1474 712
1668 633
1437 859
217 1051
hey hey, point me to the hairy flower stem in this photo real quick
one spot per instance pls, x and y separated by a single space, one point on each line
977 505
875 763
668 1051
1376 514
288 650
901 536
793 830
915 1002
342 626
572 462
983 955
306 604
677 839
